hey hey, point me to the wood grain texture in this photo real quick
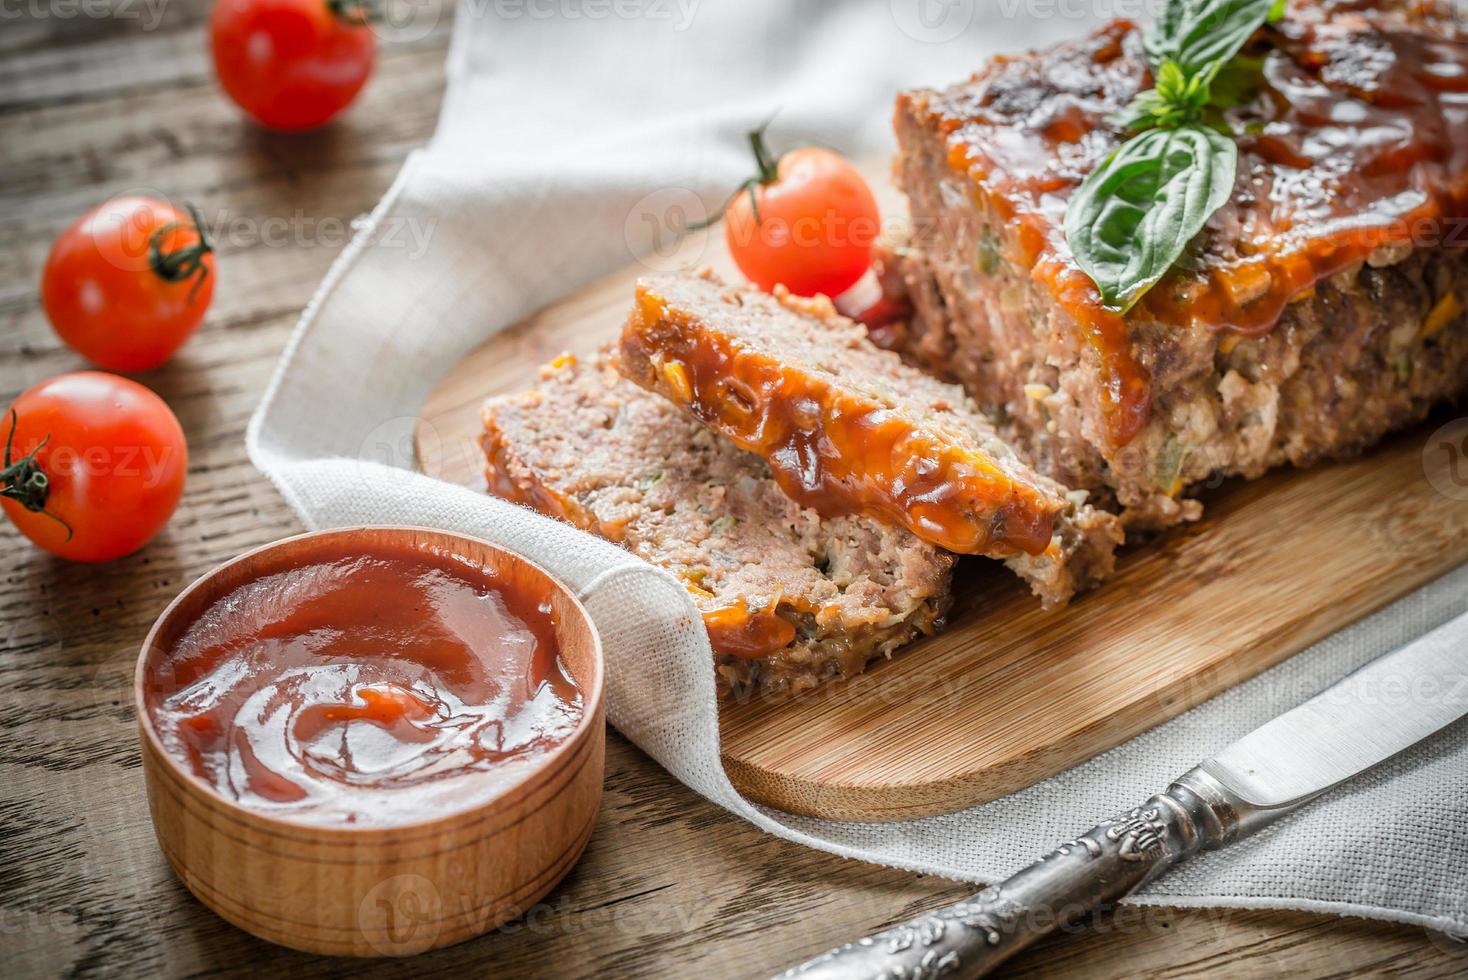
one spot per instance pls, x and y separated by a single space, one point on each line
1009 694
377 890
670 885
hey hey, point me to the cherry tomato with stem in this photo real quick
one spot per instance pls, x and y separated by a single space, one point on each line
129 282
94 465
807 219
292 64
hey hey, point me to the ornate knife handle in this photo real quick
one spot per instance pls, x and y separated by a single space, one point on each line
972 937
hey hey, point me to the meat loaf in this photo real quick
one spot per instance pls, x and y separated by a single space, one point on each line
789 599
849 428
1319 309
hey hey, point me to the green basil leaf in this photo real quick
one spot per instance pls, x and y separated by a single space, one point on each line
1133 216
1202 35
1176 99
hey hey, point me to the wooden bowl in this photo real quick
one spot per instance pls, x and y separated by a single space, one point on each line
379 891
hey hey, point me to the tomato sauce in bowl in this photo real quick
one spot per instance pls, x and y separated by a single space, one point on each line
366 687
372 741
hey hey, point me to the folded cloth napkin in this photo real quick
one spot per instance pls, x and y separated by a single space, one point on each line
562 121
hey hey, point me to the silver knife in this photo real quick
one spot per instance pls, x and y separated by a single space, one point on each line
1385 707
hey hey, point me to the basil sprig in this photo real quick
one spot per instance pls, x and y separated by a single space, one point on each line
1133 215
1200 36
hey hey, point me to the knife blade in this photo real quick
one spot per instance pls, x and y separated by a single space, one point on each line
1387 706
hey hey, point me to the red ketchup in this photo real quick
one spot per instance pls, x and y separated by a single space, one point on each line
375 689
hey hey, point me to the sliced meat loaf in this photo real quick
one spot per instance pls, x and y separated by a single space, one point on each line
1321 307
849 428
789 599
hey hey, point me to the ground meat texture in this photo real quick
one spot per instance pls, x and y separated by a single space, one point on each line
1321 308
849 428
789 599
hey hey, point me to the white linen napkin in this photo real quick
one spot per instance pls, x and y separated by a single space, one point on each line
561 116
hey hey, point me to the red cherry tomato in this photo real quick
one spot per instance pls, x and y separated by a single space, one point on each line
807 219
94 465
292 64
129 282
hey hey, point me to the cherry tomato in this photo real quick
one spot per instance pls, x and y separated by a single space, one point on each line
94 465
806 219
129 282
292 64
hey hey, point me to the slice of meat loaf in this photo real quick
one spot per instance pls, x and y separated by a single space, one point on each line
789 599
848 428
1321 307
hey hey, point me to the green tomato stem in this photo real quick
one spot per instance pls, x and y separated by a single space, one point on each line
24 481
185 262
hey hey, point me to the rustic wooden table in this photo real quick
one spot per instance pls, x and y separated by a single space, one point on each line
93 103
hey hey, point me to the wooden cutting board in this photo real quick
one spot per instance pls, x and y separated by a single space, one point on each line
1008 694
